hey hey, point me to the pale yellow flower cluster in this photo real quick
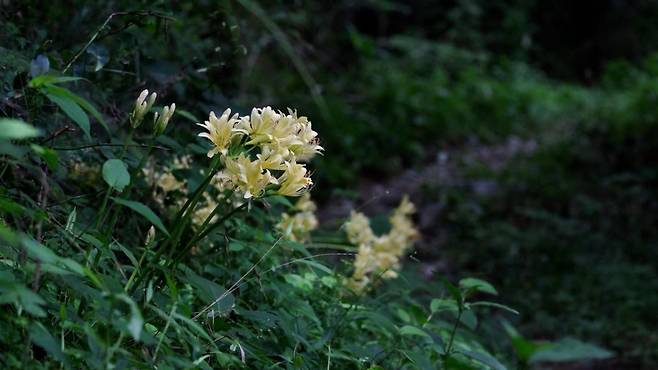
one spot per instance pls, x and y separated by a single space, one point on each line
298 226
380 255
279 141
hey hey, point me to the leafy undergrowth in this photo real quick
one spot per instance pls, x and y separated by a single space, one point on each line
572 226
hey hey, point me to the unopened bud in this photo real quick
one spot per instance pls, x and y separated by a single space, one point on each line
160 121
150 236
142 107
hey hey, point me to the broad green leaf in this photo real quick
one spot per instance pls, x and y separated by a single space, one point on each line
412 330
115 174
51 79
485 359
40 336
144 211
569 349
477 285
456 294
187 115
209 291
48 155
26 298
14 129
73 111
136 322
493 305
438 305
524 348
16 151
82 102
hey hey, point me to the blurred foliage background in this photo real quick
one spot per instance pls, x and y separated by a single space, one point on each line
566 228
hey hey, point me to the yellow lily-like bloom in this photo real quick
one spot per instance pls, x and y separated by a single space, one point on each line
307 144
259 125
249 176
271 159
294 181
220 131
142 106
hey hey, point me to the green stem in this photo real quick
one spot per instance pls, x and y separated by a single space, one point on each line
101 213
137 268
207 231
448 350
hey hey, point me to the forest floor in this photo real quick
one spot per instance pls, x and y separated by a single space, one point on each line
448 169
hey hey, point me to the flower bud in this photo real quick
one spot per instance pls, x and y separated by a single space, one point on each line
160 121
142 107
150 236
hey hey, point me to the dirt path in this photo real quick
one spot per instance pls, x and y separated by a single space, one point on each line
446 171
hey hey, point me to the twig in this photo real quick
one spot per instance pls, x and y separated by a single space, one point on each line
97 145
107 21
56 134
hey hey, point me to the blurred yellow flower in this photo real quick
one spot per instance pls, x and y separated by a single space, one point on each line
298 227
380 255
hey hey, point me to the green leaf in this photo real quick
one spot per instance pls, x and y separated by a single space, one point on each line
570 349
187 115
438 305
42 80
494 305
412 330
48 155
209 291
40 336
484 358
456 294
144 211
136 321
115 174
82 102
26 298
14 129
73 111
474 284
524 348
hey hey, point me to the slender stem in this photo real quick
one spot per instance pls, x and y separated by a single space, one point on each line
137 268
207 231
100 145
101 213
100 29
127 141
448 350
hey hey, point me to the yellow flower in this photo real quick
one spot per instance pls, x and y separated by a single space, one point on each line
307 144
380 255
168 182
271 159
259 125
294 180
305 204
298 227
220 131
249 176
